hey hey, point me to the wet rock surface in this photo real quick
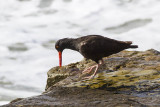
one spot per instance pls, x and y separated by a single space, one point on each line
129 78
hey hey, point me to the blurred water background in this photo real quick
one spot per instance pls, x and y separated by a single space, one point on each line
29 29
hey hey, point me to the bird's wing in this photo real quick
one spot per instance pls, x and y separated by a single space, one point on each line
98 45
96 48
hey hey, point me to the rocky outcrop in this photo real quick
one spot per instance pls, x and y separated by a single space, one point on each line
127 70
129 78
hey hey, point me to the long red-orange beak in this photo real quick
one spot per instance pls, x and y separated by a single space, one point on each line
60 58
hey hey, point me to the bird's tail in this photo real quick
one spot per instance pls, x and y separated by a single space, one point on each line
133 46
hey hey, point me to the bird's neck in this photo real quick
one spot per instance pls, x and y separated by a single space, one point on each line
72 44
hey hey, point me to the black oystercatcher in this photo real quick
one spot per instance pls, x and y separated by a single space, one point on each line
93 47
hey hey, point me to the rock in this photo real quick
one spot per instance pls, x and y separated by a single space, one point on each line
123 71
129 78
77 97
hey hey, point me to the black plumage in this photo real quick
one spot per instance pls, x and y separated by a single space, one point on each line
93 47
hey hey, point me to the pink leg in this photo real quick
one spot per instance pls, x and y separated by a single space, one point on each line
88 70
90 77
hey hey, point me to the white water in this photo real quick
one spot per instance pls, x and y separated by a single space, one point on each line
28 29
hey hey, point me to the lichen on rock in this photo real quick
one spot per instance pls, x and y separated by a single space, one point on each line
125 70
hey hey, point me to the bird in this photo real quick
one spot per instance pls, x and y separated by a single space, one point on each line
94 47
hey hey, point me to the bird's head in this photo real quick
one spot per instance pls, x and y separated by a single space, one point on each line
60 46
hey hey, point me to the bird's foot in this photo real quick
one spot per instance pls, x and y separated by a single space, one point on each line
88 70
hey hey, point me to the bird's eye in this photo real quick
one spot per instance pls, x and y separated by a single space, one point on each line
57 47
